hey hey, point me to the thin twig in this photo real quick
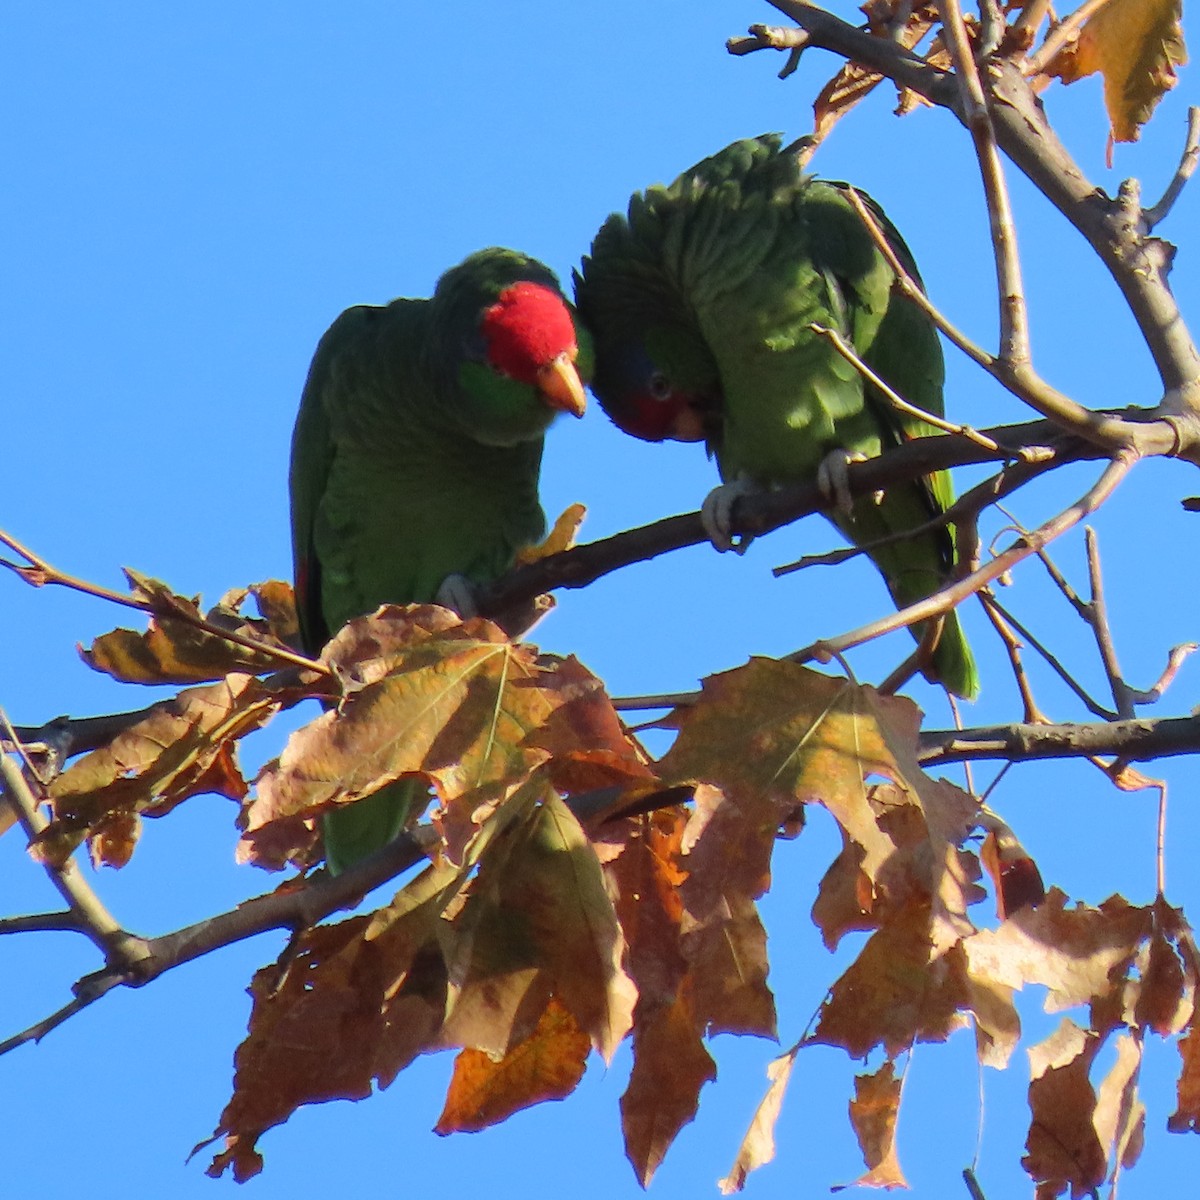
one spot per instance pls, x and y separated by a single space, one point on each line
51 922
1098 619
119 948
1077 602
948 597
1014 319
912 288
1175 659
967 507
39 573
1186 169
1012 647
86 996
897 401
1053 662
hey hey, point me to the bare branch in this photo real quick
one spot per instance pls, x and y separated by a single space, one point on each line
1014 321
897 401
1051 660
1186 169
94 919
1139 740
954 593
1098 619
51 922
1139 264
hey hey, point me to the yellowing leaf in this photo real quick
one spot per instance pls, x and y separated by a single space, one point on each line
1136 45
547 1065
429 695
561 536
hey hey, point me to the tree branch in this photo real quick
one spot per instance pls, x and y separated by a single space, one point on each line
1137 262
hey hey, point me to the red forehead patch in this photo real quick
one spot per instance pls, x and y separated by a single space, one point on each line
528 327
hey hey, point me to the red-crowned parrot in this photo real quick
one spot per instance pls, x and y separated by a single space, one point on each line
700 304
415 460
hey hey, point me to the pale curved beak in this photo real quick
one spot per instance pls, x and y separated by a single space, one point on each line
559 382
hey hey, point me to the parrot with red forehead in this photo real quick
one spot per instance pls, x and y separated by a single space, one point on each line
702 302
415 461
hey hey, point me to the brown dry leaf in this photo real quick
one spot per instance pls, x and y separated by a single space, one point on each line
353 1004
1120 1117
1136 45
723 940
670 1066
1166 997
454 702
547 1065
112 840
758 1146
561 537
184 747
774 735
1016 880
173 652
1079 954
1063 1150
646 878
854 82
873 1114
1186 1117
895 992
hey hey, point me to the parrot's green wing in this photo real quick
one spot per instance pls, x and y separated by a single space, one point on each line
415 458
703 305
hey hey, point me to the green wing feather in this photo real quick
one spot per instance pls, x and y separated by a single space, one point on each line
720 277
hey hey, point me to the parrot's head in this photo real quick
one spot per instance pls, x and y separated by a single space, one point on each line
653 388
518 358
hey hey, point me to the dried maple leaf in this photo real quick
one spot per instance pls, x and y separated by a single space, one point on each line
873 1115
175 652
352 1005
183 747
1136 45
1063 1149
896 992
670 1066
453 702
547 1065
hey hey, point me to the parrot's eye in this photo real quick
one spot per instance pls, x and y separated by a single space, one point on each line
659 386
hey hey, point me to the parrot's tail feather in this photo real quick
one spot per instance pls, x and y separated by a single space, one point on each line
953 662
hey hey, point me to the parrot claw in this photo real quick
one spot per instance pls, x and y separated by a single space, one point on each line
716 515
457 592
833 481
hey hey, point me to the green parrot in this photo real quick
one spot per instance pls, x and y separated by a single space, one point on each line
700 304
415 459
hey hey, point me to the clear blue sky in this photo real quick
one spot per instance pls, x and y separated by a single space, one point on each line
192 194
